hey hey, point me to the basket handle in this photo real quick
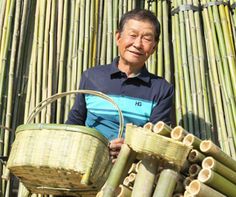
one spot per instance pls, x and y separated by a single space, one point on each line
51 99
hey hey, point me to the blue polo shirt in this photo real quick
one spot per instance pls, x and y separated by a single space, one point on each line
143 98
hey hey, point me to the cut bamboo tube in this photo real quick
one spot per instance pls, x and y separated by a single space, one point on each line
211 163
149 126
162 129
194 170
200 189
217 182
166 183
209 148
191 140
178 133
123 191
187 194
129 180
187 181
195 156
143 185
116 173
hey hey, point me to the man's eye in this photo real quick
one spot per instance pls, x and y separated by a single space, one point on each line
132 35
147 39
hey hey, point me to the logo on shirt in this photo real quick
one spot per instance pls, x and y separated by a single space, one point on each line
138 103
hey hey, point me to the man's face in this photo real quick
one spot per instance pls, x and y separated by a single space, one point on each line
136 42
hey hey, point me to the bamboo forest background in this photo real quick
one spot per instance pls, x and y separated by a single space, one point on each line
47 44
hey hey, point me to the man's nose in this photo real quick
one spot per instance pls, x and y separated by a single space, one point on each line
138 42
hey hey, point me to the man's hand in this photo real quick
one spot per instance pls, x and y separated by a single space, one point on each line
114 147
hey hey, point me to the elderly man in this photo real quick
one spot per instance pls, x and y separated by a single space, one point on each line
142 96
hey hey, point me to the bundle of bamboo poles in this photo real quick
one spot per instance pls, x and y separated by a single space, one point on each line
204 55
206 170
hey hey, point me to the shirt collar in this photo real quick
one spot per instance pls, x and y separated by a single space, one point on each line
144 74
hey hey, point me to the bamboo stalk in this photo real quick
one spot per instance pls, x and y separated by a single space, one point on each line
104 36
115 175
194 170
160 49
200 189
148 126
209 148
143 185
211 163
166 183
92 32
191 140
162 129
109 32
87 40
195 156
217 182
2 16
178 133
123 191
45 58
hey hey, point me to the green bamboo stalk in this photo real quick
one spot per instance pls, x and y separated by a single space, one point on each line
99 36
74 71
95 37
195 156
210 149
197 188
5 42
180 70
45 59
217 182
166 39
69 58
51 57
81 41
194 170
114 27
62 59
143 185
216 166
166 183
160 48
178 133
186 71
116 173
40 54
92 32
178 91
162 129
87 40
109 32
104 36
191 140
2 15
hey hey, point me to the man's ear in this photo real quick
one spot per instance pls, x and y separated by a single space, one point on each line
117 37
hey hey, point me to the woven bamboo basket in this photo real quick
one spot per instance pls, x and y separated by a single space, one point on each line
61 159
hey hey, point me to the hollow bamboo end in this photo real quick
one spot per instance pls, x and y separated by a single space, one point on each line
177 133
204 175
192 155
158 126
206 145
208 162
148 126
194 187
194 168
188 139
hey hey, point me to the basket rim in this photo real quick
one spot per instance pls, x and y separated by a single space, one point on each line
68 127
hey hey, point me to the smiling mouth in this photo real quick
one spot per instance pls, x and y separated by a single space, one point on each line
136 53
